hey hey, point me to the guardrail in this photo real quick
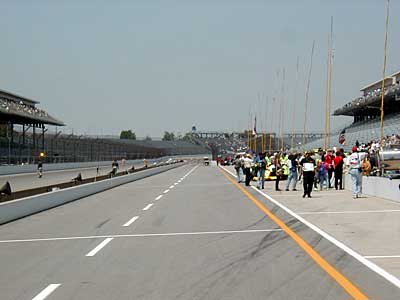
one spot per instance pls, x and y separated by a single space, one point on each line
16 209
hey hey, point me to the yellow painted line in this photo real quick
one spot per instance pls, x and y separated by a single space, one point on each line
345 283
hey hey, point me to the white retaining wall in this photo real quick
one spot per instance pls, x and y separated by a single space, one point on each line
9 170
16 209
381 187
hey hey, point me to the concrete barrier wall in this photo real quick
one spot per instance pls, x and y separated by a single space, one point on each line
378 186
8 170
23 207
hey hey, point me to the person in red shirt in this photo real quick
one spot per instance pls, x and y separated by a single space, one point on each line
328 159
338 168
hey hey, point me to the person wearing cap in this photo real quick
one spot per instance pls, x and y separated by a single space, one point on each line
353 164
308 172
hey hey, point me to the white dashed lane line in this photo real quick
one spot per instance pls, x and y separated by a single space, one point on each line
172 186
158 197
99 247
148 206
131 221
166 191
47 291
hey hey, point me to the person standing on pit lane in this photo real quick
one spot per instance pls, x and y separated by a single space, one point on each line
292 165
238 164
353 163
338 168
247 161
328 159
308 173
261 170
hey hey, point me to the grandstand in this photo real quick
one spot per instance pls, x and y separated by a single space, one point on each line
23 136
365 111
20 110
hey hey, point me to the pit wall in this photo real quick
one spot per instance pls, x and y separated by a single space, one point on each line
381 187
16 209
8 170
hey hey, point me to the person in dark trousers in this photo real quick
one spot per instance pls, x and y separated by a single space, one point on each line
338 165
276 170
247 161
308 172
40 169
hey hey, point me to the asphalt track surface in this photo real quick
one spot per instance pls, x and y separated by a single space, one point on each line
204 238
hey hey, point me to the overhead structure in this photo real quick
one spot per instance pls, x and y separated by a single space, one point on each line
19 110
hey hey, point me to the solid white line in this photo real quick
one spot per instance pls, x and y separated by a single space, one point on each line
148 206
382 256
158 197
166 191
172 186
138 235
359 257
99 247
47 291
348 212
131 221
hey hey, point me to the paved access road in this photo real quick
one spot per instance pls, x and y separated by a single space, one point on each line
189 233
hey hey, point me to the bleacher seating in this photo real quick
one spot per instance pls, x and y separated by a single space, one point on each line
363 132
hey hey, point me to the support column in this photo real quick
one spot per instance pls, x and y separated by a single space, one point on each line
34 136
42 137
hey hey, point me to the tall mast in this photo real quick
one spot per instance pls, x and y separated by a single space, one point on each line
384 70
330 87
272 123
294 103
282 111
307 94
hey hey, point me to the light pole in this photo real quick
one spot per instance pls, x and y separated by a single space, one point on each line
9 142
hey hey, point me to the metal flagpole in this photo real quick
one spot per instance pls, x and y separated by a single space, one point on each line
307 94
328 127
282 111
294 103
384 71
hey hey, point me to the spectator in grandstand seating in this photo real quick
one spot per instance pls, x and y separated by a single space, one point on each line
338 169
308 173
353 163
247 168
293 174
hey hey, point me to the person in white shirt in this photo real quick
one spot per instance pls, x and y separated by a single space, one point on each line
247 161
353 163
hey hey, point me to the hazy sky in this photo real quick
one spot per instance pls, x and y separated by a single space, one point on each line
150 66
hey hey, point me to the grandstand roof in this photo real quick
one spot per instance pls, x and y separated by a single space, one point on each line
15 97
380 80
21 110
